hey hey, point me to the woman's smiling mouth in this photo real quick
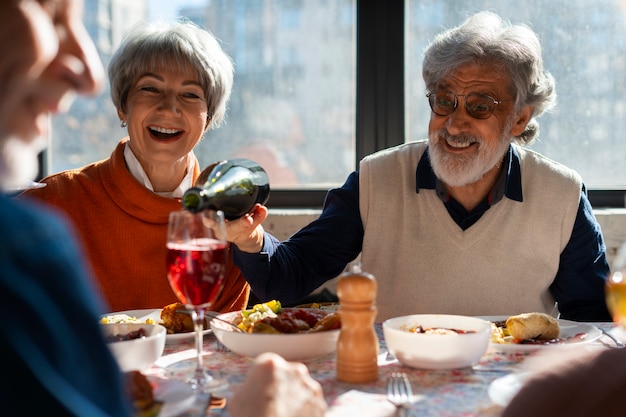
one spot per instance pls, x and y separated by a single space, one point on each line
164 133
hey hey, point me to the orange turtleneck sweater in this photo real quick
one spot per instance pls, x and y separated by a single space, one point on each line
123 227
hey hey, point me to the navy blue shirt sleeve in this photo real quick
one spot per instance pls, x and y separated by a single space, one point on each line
583 269
52 340
320 251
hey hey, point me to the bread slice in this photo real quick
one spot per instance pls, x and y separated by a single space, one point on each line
538 326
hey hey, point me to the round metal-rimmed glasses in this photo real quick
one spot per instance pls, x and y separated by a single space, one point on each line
479 106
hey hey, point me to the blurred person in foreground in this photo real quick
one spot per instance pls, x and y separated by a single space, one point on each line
577 382
170 84
50 338
469 221
59 362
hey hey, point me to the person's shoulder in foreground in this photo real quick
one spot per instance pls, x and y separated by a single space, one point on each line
573 383
58 357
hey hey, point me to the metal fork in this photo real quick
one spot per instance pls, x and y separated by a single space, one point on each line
618 343
399 391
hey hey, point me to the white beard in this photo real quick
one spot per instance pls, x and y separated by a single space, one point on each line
456 171
18 162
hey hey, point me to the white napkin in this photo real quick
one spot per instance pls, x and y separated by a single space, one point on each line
362 404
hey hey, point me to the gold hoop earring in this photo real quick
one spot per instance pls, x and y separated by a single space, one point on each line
124 123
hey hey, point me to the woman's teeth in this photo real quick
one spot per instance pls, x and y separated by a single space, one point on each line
163 130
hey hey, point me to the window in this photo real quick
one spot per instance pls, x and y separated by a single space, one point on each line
292 105
320 84
584 47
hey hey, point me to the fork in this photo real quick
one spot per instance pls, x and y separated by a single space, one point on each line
618 343
399 391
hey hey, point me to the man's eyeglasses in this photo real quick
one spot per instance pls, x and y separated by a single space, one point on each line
479 106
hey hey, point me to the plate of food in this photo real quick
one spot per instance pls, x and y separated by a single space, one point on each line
152 396
532 331
176 396
173 317
296 334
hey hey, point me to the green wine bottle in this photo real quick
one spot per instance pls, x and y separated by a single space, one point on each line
233 186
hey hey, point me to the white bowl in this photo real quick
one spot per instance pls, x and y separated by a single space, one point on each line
136 354
437 351
292 347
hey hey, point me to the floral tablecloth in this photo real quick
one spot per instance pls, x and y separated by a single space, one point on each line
458 393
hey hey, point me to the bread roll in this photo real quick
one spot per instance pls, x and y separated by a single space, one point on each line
533 326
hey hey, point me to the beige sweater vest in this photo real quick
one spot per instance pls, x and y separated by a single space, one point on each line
425 263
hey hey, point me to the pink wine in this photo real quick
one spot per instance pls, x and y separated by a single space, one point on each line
196 270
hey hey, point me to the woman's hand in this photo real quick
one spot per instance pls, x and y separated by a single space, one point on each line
247 232
277 388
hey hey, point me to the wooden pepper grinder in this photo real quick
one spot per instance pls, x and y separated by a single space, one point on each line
357 347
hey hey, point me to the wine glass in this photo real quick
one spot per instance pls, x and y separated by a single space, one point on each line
616 288
197 252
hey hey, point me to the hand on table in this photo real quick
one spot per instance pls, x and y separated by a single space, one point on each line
277 388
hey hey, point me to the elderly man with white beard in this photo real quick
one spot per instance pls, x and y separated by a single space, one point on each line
467 222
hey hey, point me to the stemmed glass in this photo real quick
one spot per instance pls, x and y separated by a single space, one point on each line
616 288
197 252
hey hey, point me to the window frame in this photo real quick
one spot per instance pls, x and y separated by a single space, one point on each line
379 91
380 105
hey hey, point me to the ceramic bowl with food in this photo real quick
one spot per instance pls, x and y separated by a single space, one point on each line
291 346
437 341
136 346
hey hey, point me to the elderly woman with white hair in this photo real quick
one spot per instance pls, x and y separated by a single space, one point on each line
170 83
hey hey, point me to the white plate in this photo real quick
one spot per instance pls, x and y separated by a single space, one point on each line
143 315
568 329
177 397
291 346
502 390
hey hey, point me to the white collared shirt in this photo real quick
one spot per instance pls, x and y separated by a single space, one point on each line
137 171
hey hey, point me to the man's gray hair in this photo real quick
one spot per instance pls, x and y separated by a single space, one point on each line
487 39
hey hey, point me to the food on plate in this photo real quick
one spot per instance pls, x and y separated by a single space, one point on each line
141 394
124 318
418 328
258 312
176 319
539 326
531 329
499 332
327 305
270 317
135 334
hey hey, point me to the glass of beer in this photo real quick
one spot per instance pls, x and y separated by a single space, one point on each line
616 288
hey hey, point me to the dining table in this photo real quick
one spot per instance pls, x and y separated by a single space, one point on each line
465 392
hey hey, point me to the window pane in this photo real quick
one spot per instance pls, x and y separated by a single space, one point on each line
584 47
293 103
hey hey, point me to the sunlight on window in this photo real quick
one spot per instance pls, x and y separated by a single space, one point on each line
293 104
585 50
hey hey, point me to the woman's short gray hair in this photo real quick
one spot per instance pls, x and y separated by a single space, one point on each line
487 38
153 46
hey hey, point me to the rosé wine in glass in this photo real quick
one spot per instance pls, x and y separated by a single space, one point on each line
196 270
197 255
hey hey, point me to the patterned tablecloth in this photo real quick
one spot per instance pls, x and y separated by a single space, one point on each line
458 393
